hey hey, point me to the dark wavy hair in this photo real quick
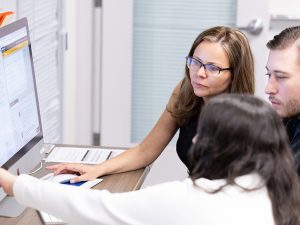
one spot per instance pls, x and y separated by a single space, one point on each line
239 135
239 53
285 38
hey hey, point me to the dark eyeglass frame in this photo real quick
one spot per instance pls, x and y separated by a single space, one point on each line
189 59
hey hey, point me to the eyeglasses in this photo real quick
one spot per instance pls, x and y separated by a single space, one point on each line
195 64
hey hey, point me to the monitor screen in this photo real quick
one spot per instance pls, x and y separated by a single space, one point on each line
19 113
21 136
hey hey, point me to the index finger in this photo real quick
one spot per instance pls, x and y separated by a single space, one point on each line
59 168
80 178
54 167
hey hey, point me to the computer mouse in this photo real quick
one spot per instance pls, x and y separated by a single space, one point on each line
59 178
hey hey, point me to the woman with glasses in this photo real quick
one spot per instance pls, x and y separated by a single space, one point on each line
219 61
240 173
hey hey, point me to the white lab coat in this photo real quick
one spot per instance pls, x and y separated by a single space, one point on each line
178 202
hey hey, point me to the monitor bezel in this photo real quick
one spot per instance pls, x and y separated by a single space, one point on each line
12 27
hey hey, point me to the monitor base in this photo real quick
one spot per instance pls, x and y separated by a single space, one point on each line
9 207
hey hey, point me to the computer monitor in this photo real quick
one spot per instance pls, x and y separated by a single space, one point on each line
21 136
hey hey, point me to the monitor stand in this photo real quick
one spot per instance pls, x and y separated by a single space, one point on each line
9 207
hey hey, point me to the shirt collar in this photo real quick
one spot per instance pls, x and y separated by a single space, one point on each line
249 181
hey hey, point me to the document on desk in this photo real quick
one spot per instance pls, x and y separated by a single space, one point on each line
81 155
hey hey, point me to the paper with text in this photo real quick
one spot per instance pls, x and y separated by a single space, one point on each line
81 155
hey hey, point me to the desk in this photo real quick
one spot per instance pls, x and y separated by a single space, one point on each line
121 182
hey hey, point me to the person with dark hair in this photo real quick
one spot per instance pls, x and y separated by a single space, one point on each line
242 172
219 61
283 88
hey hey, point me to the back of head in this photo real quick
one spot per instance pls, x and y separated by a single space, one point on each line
239 135
285 38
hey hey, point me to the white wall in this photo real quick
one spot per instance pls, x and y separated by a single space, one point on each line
116 72
284 14
77 80
286 7
167 167
8 5
246 11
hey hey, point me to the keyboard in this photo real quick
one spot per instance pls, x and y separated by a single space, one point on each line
49 219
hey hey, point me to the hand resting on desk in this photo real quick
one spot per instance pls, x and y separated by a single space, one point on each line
87 172
59 178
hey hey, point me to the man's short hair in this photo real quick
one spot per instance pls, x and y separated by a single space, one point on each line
285 38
